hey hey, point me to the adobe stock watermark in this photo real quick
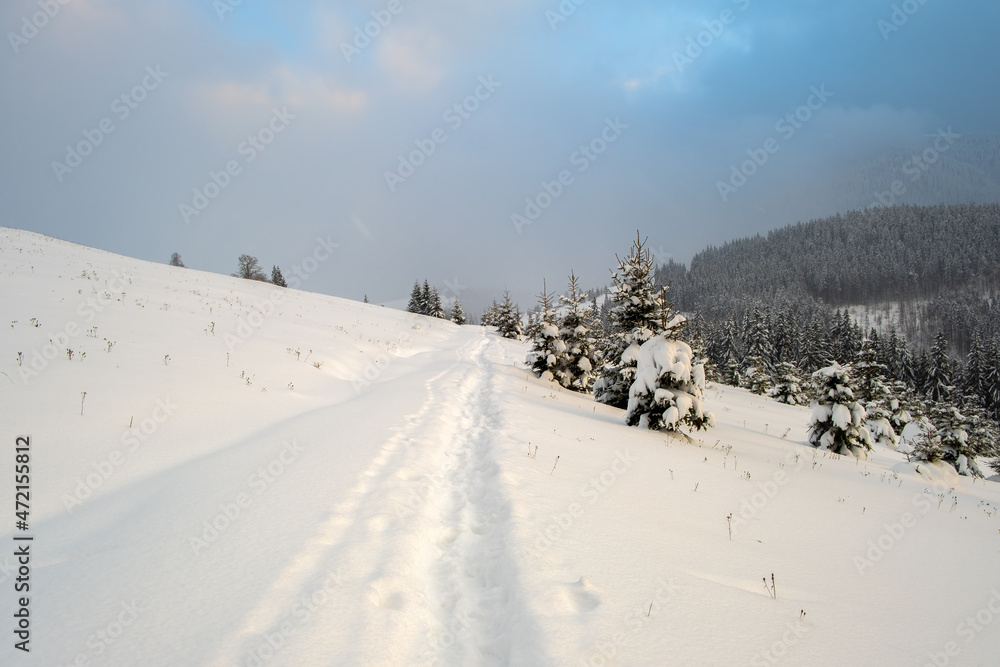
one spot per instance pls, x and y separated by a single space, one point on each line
87 310
122 107
454 116
270 642
608 648
131 440
893 533
581 158
258 482
223 7
968 629
916 166
106 636
787 126
37 21
794 632
698 44
373 369
767 490
899 17
262 311
366 34
562 12
562 523
248 149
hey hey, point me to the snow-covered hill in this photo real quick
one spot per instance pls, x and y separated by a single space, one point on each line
223 473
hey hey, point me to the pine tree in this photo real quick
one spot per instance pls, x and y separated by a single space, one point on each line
415 298
581 357
426 304
548 350
938 384
277 278
973 381
491 316
175 260
837 422
434 307
636 316
668 386
457 314
788 386
508 318
874 394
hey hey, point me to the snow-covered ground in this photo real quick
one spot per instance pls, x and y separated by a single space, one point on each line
314 481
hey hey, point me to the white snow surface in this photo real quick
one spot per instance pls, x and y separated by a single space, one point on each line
381 508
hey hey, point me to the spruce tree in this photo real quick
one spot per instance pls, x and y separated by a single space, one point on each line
175 260
277 278
426 306
938 384
637 314
837 422
457 314
548 350
668 386
788 385
414 305
581 356
434 307
508 318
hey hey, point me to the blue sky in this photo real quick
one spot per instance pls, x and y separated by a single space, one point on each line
689 121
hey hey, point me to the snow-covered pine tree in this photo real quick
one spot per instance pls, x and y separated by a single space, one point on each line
415 298
759 352
277 278
548 350
973 380
873 392
755 376
788 386
668 386
837 422
581 357
635 317
175 260
426 299
948 441
938 383
457 314
434 307
508 318
491 315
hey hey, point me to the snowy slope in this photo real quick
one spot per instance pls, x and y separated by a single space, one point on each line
382 508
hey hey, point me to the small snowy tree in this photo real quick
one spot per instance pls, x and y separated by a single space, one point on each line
416 298
837 422
755 376
548 350
581 356
491 315
667 390
434 307
175 260
457 314
948 440
508 318
637 315
788 387
277 278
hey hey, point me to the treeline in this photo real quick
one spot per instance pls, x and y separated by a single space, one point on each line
942 262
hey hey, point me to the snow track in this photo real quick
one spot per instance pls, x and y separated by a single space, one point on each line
424 530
